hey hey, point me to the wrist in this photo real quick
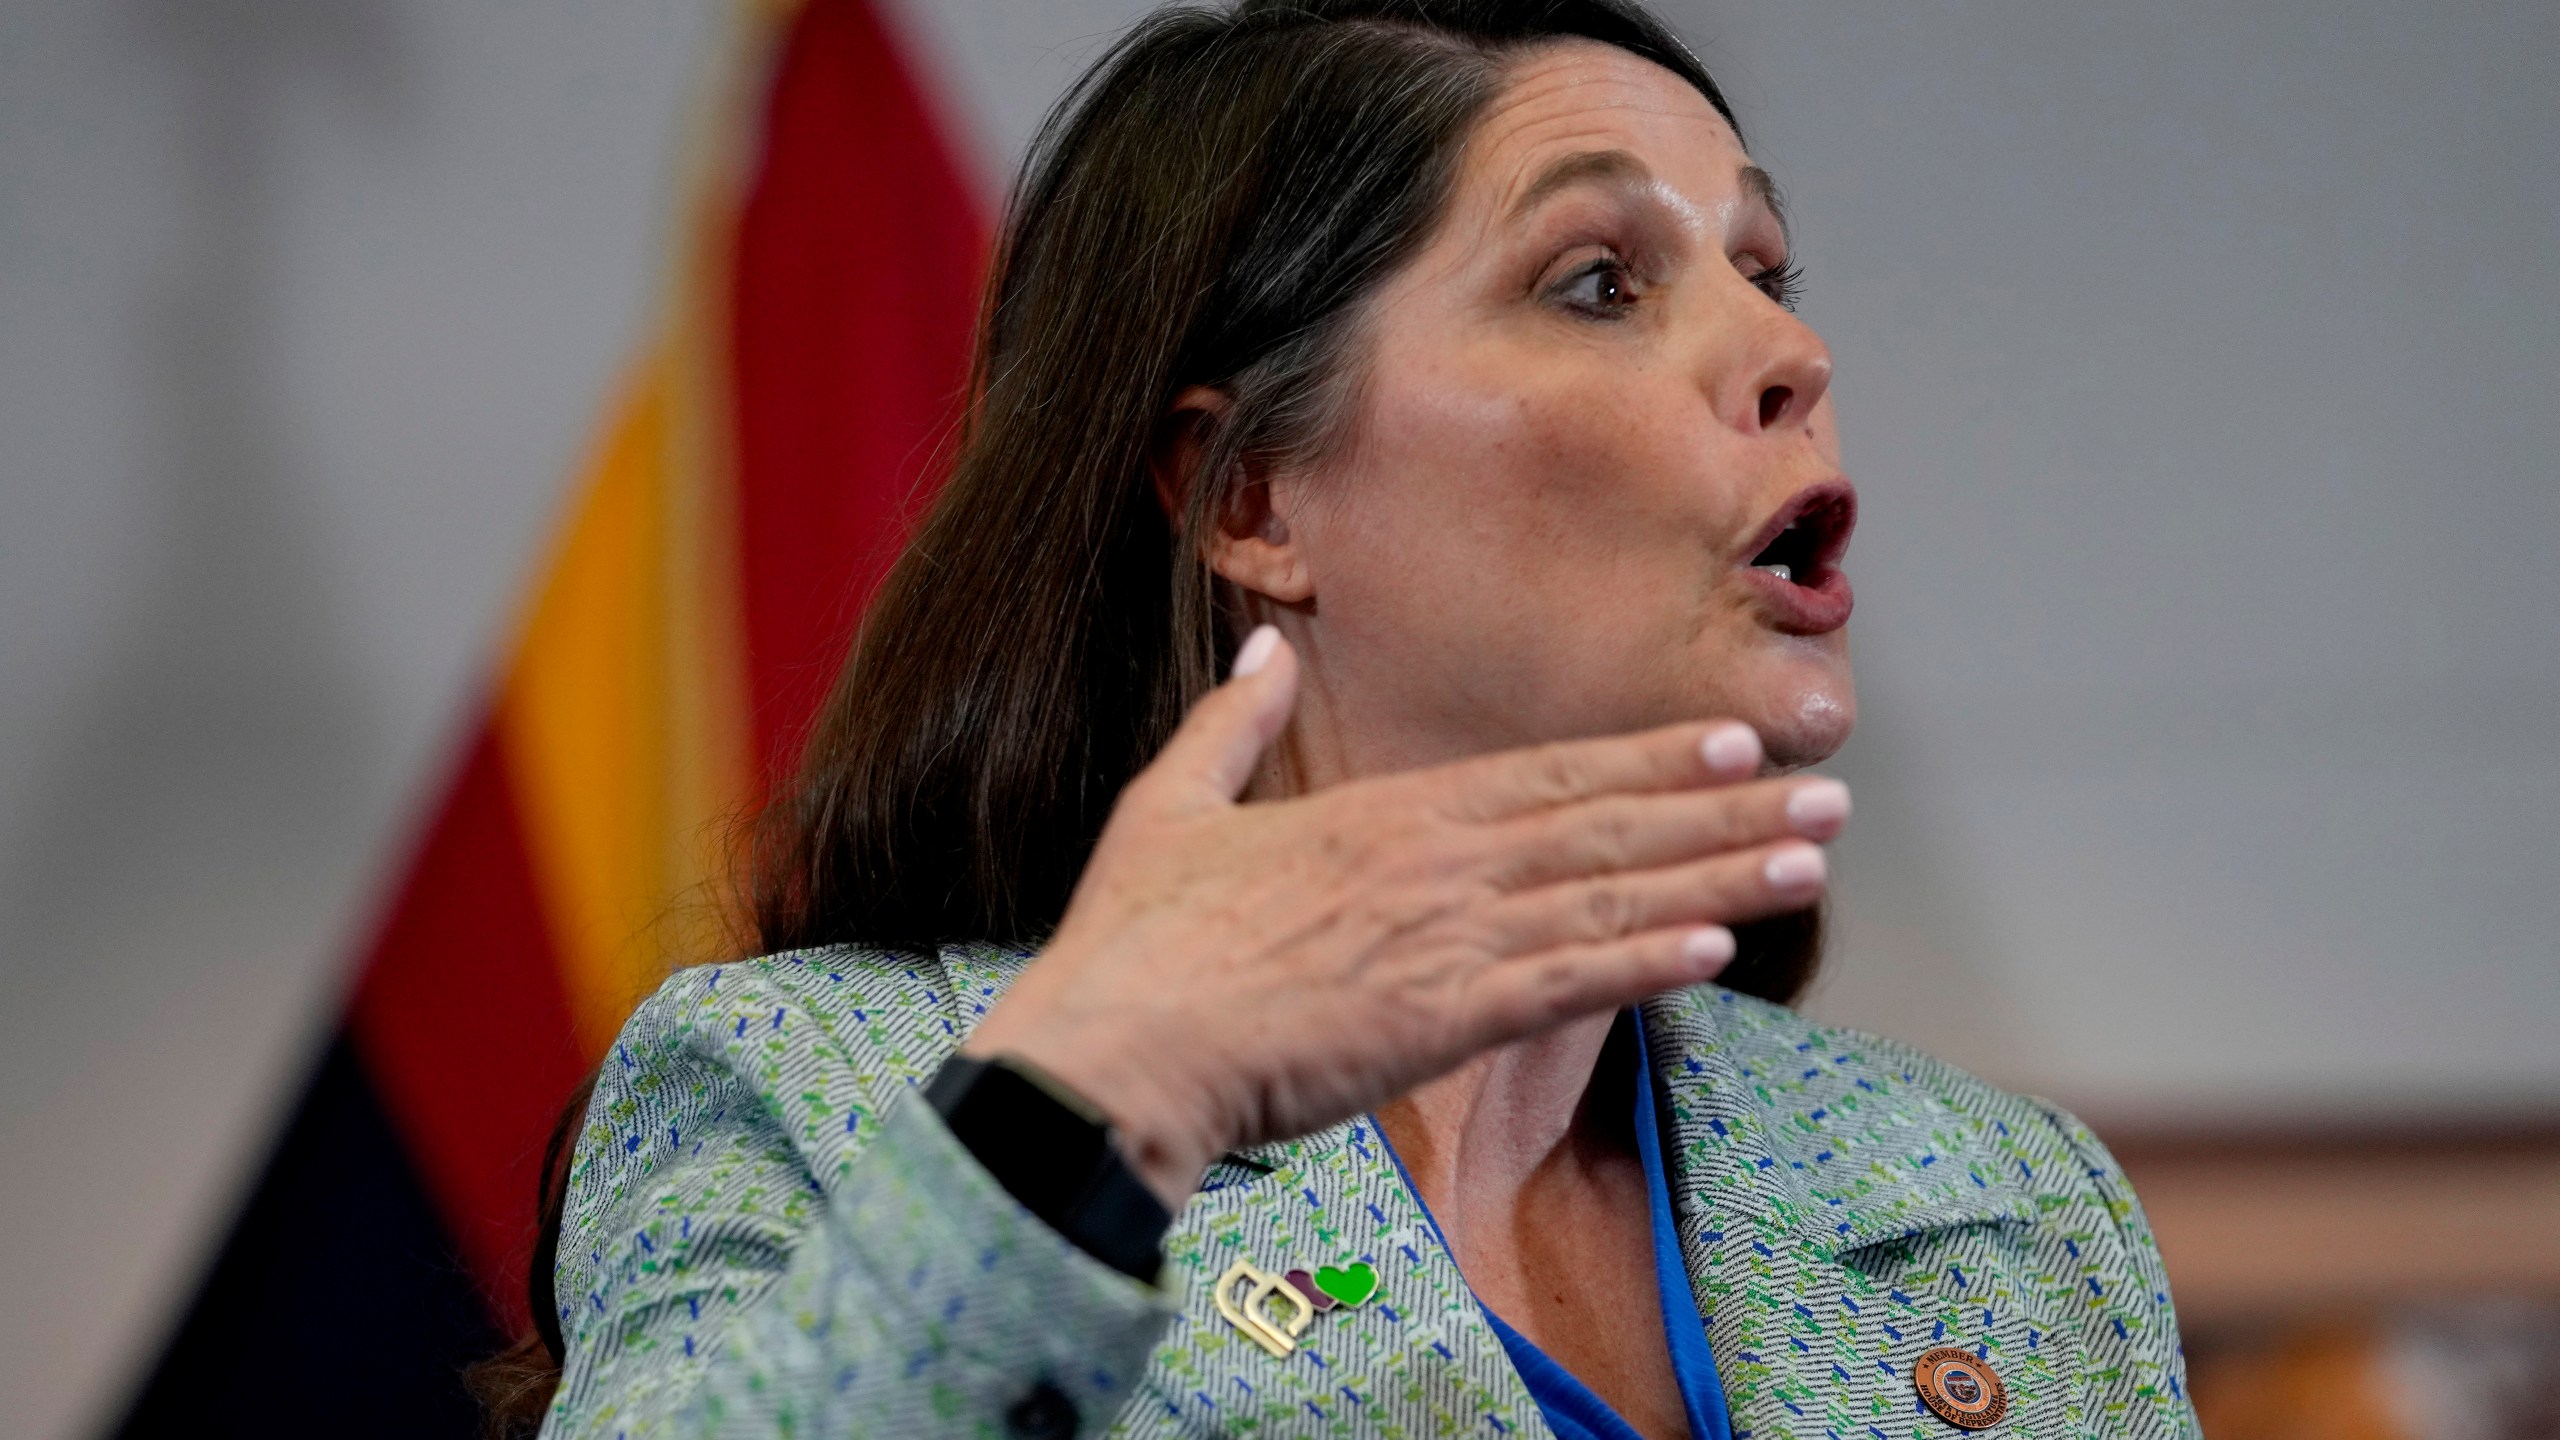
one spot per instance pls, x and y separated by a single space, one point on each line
1165 1141
1056 1155
1166 1154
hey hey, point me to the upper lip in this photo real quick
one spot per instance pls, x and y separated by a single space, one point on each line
1831 507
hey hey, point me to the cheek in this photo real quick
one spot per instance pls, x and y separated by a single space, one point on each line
1527 542
1570 481
1527 547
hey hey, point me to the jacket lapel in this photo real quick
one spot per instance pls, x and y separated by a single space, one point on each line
1838 1219
1837 1216
1416 1358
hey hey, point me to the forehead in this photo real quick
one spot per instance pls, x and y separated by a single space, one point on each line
1579 96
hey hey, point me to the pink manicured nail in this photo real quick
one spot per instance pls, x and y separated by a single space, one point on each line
1256 650
1730 747
1797 867
1707 948
1818 804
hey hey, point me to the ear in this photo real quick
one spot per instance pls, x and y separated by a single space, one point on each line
1249 541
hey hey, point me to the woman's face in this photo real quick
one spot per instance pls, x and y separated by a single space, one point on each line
1585 415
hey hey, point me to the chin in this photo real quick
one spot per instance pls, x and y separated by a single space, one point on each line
1806 724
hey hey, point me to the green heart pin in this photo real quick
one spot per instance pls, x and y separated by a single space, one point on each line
1347 1285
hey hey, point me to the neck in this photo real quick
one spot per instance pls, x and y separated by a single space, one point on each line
1539 1112
1545 1112
1348 726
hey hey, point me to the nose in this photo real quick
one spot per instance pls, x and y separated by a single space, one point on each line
1785 371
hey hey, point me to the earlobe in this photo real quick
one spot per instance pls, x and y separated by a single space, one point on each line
1248 541
1253 546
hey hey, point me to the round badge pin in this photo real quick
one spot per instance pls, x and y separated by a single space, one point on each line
1962 1387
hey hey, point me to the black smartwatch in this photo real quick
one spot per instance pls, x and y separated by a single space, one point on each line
1052 1150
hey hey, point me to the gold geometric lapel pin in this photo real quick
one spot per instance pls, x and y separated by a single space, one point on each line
1246 1294
1244 1297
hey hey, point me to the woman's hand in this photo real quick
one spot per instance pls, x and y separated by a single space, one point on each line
1228 974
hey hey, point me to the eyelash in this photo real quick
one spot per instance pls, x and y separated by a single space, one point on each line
1783 284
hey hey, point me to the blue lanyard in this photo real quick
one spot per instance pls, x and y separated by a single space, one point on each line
1701 1392
1572 1411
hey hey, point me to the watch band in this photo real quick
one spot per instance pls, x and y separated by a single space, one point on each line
1052 1151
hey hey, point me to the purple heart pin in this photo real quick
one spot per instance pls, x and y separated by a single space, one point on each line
1305 1284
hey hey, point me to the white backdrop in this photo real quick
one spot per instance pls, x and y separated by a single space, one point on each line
2197 364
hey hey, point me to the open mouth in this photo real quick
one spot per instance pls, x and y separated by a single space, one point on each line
1799 557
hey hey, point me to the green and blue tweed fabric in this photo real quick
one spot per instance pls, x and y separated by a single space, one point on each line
766 1236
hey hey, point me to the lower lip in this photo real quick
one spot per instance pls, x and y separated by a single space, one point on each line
1804 609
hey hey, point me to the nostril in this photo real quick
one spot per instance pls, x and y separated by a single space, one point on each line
1773 403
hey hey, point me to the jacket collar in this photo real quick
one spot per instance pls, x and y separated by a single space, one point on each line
1790 1147
1843 1147
1847 1148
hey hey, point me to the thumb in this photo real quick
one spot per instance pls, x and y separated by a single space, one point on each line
1212 756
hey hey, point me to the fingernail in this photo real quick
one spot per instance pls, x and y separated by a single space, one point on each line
1256 650
1707 948
1797 867
1731 746
1818 804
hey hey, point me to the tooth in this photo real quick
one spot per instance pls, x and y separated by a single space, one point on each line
1783 572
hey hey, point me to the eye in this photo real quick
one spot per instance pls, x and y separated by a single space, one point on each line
1783 283
1604 288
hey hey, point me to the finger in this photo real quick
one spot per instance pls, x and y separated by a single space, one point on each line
1720 890
1212 756
1515 782
1640 832
1523 996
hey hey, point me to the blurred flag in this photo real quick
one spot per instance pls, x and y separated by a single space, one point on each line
751 482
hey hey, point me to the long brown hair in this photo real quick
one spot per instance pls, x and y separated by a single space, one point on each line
1210 205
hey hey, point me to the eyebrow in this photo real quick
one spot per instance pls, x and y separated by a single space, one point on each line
1762 186
1617 167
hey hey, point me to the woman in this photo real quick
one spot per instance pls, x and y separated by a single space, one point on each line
1331 1050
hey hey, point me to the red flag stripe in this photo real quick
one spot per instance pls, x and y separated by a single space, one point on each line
858 261
463 1025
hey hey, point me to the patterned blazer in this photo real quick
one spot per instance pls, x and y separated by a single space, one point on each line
767 1235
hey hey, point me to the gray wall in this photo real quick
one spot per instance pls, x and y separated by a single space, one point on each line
2202 366
2196 362
306 309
